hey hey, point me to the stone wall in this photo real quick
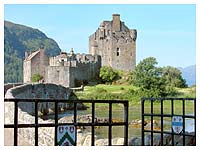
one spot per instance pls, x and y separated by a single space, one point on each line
46 135
58 75
86 68
115 43
39 91
10 85
35 63
85 71
26 110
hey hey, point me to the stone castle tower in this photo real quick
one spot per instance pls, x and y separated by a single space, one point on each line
35 63
115 43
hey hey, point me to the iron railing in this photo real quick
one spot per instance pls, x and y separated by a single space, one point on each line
92 124
168 116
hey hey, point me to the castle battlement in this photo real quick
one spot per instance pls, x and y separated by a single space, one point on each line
72 60
115 43
112 44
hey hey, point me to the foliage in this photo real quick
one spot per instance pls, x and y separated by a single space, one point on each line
12 69
173 78
36 77
130 93
155 81
17 39
149 78
107 74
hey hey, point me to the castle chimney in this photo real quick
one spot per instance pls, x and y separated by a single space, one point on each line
26 54
116 25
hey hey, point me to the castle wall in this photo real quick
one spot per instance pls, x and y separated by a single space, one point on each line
82 67
27 71
35 65
59 75
85 71
66 75
123 56
43 63
115 43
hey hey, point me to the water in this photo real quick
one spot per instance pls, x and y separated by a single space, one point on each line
118 131
190 125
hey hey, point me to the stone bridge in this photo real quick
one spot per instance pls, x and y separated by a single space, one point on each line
40 90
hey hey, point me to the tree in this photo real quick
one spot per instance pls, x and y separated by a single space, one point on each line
107 74
36 77
149 77
18 38
173 78
146 73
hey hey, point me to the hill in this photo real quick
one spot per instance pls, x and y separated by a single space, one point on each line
189 74
17 39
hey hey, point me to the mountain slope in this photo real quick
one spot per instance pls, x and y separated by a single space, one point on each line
189 74
17 39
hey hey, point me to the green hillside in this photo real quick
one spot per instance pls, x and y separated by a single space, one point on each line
17 39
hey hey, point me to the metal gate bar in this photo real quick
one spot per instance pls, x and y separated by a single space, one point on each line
110 124
162 115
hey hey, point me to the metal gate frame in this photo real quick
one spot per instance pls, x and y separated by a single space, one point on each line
162 115
110 124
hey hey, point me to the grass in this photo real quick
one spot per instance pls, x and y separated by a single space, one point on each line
107 92
109 88
186 92
102 91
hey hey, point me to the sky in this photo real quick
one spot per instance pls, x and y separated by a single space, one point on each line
166 32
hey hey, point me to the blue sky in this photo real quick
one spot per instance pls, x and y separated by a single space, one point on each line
166 32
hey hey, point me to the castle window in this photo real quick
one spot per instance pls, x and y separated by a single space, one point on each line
118 51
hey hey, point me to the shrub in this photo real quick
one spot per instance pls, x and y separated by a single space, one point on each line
108 74
36 77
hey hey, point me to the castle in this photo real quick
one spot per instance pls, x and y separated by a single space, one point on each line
113 44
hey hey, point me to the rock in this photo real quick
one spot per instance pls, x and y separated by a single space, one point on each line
68 119
120 141
101 142
135 142
166 139
88 141
157 140
116 120
147 140
155 125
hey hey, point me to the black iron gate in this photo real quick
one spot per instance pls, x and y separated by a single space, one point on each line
167 111
92 124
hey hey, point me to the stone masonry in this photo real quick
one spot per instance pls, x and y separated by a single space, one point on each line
115 43
51 91
64 69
